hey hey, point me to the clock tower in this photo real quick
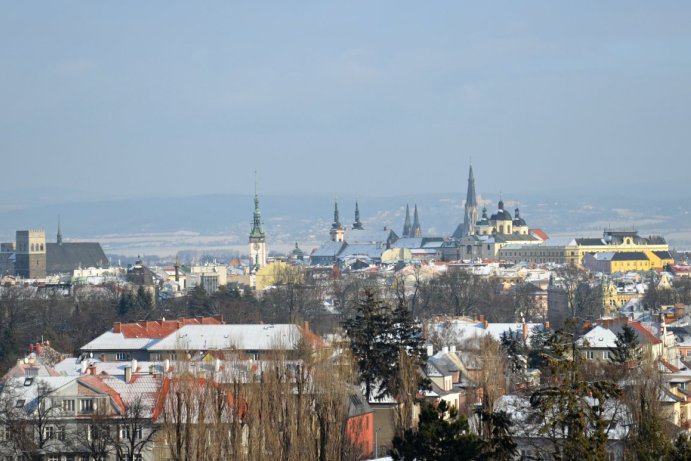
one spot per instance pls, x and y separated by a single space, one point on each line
257 241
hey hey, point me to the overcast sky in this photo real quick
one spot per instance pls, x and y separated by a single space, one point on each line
371 97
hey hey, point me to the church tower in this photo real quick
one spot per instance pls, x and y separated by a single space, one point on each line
357 225
257 240
470 206
59 236
416 230
407 228
337 231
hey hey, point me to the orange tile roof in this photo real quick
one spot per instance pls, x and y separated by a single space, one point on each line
539 233
161 328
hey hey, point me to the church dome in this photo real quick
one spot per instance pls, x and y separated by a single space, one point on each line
502 214
517 220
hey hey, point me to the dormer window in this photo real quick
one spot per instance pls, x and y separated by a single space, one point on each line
28 381
20 403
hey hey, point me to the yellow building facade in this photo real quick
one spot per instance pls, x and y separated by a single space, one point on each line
617 242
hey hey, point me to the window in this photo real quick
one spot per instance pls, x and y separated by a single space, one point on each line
590 355
20 403
4 434
61 433
68 406
86 405
155 357
121 356
125 432
28 381
50 432
53 458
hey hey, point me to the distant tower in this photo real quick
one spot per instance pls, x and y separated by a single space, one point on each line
470 217
257 240
31 254
357 225
337 230
416 231
59 237
407 228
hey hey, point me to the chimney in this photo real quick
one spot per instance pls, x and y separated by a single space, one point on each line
525 330
84 366
134 365
116 327
217 365
305 326
485 323
445 349
166 366
92 369
430 350
481 318
452 348
546 324
128 374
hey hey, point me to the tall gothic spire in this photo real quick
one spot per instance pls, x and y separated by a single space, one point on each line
406 223
470 198
416 230
59 238
470 217
357 224
257 231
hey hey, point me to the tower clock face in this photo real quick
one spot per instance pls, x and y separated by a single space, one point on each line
255 246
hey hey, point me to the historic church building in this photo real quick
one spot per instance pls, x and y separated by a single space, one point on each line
484 237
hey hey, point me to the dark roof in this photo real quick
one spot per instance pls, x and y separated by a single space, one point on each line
663 254
501 215
66 257
629 256
590 241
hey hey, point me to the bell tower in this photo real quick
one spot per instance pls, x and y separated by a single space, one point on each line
257 240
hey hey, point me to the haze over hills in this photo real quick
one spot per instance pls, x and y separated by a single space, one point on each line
163 226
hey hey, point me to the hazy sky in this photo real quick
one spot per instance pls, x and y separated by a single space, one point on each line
373 97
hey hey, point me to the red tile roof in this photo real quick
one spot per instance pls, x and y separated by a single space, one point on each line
645 332
161 328
539 233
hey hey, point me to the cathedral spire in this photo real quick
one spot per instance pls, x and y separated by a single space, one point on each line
470 198
416 231
59 237
357 224
406 224
470 217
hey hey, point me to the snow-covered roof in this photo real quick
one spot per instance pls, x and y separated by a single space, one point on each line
110 341
372 251
242 337
408 242
598 338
